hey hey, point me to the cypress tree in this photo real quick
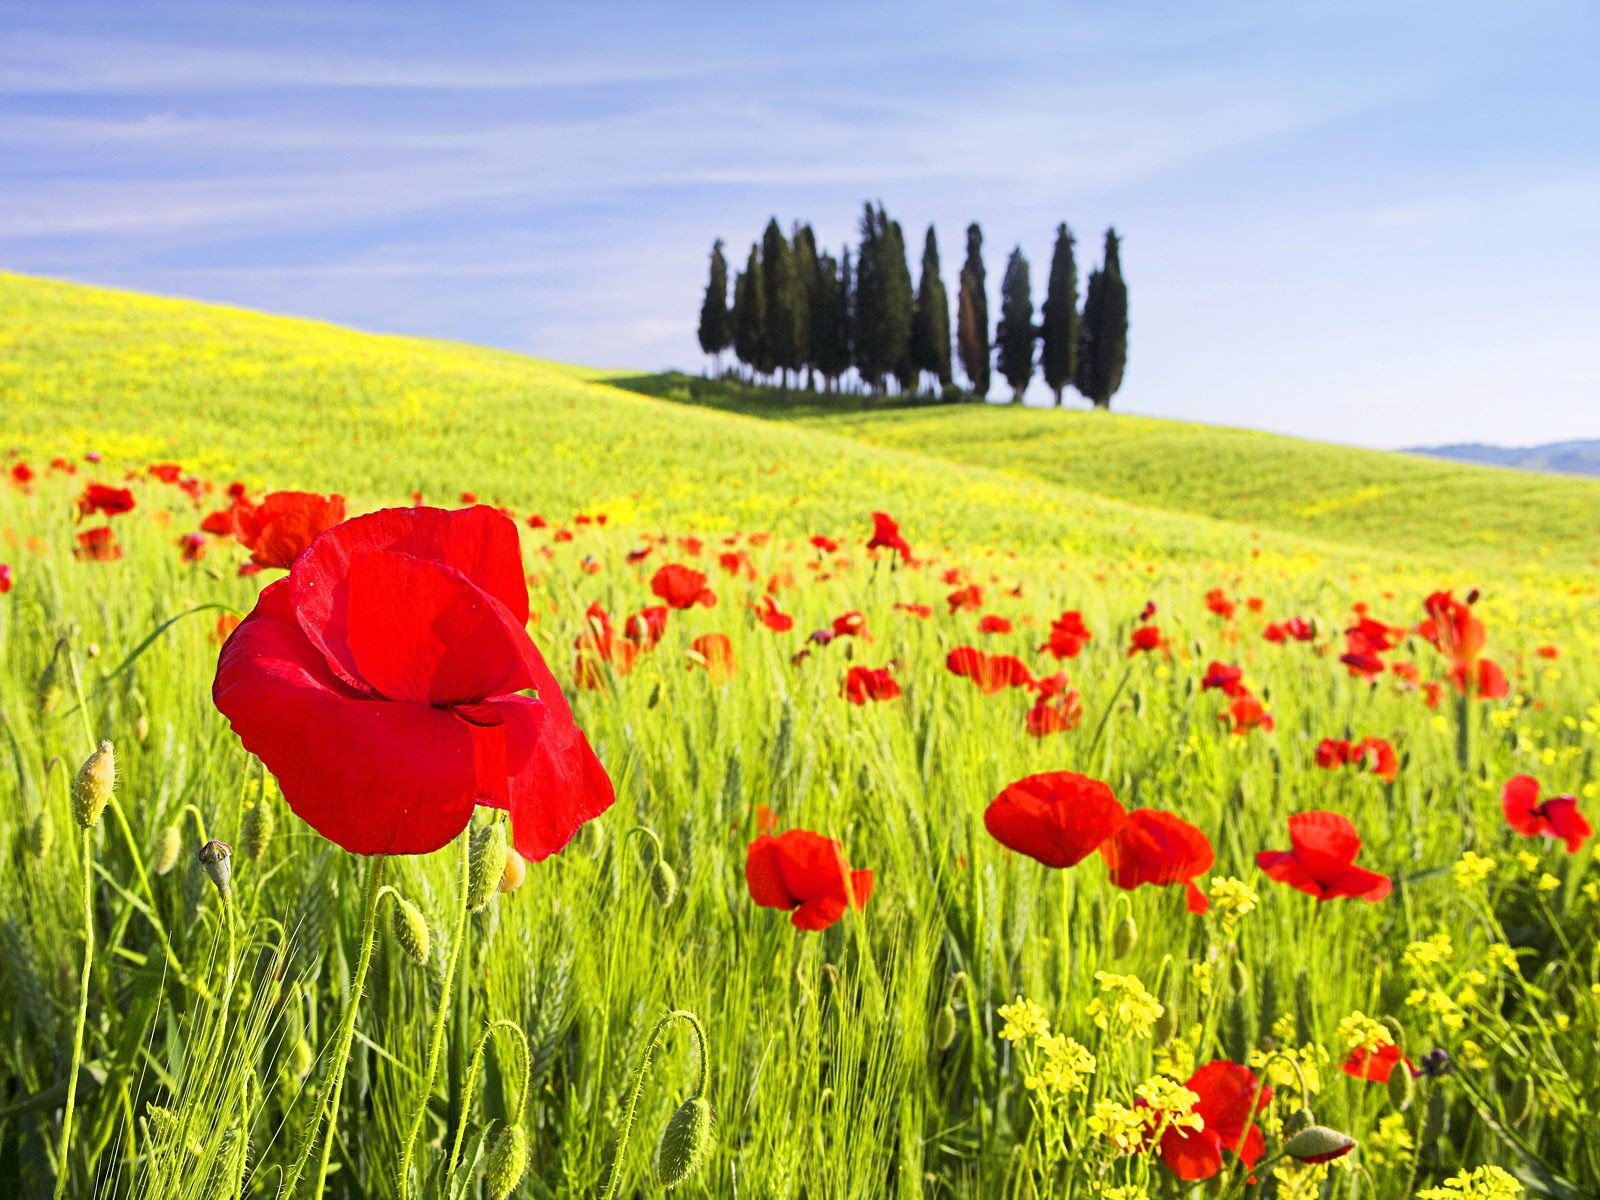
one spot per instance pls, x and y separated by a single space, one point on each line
846 313
868 317
1104 349
930 326
972 333
749 332
1015 333
1060 329
900 306
716 328
807 289
781 289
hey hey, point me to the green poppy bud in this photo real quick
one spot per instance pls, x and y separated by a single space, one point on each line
91 790
944 1028
1124 937
169 844
256 828
214 856
141 728
663 882
1166 1026
486 866
1402 1088
685 1142
508 1162
411 930
1300 1118
1239 974
1318 1144
39 835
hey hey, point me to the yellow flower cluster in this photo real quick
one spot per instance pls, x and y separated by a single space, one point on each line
1064 1066
1122 1127
1125 1003
1361 1032
1434 951
1024 1020
1390 1144
1485 1183
1172 1101
1232 900
1472 869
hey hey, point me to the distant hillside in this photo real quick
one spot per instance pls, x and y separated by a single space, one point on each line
1564 458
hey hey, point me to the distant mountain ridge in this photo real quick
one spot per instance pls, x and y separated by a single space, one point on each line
1564 458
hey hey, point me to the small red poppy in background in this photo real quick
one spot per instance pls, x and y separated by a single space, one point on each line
192 547
1245 713
886 536
646 627
770 615
1557 818
991 672
682 587
1231 1097
1068 635
381 682
1322 860
1297 628
1228 680
1159 848
1055 716
1375 1066
97 545
714 652
279 529
1548 652
1145 639
865 683
5 578
806 874
967 599
1365 643
826 544
1058 818
165 472
599 646
98 498
994 623
1217 602
737 562
921 611
21 475
1378 756
1456 633
851 624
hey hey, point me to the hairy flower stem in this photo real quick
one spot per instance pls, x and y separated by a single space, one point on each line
701 1079
436 1041
329 1108
62 1170
520 1040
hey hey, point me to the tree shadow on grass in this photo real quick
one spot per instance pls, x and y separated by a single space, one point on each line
768 403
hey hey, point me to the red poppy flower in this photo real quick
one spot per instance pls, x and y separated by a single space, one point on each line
737 562
766 819
646 627
1247 713
1378 756
993 623
991 672
1068 635
967 599
1227 679
278 530
1298 628
192 546
1159 848
863 683
1333 753
98 498
1548 651
826 544
97 545
1451 627
21 475
714 652
851 624
1145 639
770 615
5 578
597 646
1322 861
1375 1066
1045 717
1058 817
1230 1099
682 587
165 472
921 611
886 536
379 682
1483 678
1556 818
807 874
1217 601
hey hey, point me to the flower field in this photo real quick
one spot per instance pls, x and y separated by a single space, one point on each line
649 796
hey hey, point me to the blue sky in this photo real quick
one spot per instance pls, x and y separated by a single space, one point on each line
1375 223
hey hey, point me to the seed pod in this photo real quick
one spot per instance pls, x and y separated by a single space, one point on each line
169 843
486 866
1239 974
1520 1105
685 1142
944 1028
214 856
1318 1144
91 790
256 828
663 882
40 834
49 689
1124 937
1166 1026
516 871
1402 1088
411 930
508 1161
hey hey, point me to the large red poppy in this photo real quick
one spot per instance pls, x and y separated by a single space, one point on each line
682 587
1058 817
866 683
886 536
1230 1099
807 874
380 683
991 672
1159 848
1556 818
1322 861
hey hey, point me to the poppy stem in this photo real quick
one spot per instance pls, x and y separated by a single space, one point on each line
62 1169
1066 928
1105 717
436 1039
520 1040
701 1080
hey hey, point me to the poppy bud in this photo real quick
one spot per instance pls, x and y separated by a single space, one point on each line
486 866
40 834
944 1028
1402 1088
1239 974
49 690
685 1142
1299 1119
92 650
1318 1144
1473 596
655 696
1520 1106
301 1058
91 791
1124 937
516 871
508 1161
663 882
256 830
141 728
411 930
1166 1026
169 842
214 856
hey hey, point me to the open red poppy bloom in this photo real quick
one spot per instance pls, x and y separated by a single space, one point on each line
278 530
5 578
886 536
1298 628
714 652
994 623
98 498
380 683
967 599
1068 635
851 624
1145 639
1057 817
598 646
991 672
1322 861
1245 713
1217 601
97 545
1230 1099
807 874
1333 753
1556 818
682 587
21 475
646 627
1059 716
1378 756
1375 1066
1228 680
865 683
1159 848
770 615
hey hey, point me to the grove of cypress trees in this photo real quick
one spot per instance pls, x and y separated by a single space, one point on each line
1060 327
750 316
1015 333
972 325
716 328
1103 353
781 289
930 325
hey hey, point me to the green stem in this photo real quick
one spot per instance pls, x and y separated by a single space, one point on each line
520 1039
1105 717
702 1078
329 1108
62 1170
436 1041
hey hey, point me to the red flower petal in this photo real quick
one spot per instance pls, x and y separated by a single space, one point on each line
1058 817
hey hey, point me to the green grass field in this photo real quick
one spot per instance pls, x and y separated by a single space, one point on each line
865 1060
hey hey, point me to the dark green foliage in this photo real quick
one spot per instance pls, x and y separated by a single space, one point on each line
716 327
804 245
972 324
1103 351
930 325
830 335
1015 333
1060 328
784 301
883 301
750 317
